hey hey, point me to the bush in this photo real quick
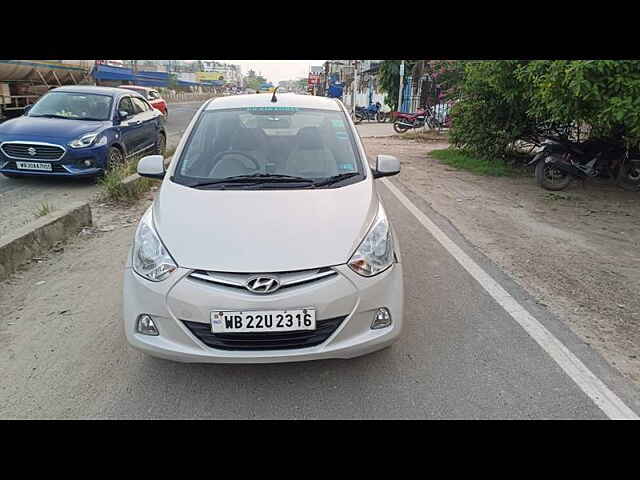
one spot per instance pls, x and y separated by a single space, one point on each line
501 102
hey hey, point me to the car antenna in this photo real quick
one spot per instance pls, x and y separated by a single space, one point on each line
273 98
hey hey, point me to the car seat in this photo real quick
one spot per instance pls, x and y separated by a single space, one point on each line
310 157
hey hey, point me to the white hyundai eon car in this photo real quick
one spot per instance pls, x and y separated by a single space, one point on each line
267 240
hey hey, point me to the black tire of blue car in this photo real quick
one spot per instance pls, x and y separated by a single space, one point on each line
161 145
115 158
551 177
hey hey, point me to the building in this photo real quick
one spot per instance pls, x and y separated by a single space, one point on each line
228 73
364 72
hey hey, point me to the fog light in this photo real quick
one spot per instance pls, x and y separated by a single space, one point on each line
87 163
146 326
381 319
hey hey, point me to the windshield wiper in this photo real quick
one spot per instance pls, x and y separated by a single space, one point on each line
334 179
50 115
256 177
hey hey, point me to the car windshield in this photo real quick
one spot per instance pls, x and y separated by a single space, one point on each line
141 91
73 105
296 148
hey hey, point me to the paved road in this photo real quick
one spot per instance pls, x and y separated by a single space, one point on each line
461 355
20 198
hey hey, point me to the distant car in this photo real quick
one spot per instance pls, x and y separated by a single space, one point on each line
152 96
80 131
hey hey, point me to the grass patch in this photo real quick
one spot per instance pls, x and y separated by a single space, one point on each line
44 209
457 159
115 190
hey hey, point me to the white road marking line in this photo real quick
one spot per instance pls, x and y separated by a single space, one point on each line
591 385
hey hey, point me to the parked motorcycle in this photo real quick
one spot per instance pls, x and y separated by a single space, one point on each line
372 112
562 160
407 121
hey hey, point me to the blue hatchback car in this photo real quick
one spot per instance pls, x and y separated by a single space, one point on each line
80 131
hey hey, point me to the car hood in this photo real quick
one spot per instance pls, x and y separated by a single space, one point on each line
23 128
259 231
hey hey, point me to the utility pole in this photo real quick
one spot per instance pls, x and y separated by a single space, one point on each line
353 89
401 85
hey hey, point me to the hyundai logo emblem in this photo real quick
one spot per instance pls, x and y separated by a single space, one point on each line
262 284
31 151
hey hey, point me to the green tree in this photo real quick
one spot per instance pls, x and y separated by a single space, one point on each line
389 79
501 102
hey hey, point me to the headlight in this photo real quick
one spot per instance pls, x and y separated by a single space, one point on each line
88 140
150 259
375 253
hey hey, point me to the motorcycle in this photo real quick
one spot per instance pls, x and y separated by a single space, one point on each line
372 112
562 160
407 121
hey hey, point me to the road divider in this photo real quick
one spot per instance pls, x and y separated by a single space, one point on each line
19 247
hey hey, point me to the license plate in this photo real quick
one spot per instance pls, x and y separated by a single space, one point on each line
263 321
34 166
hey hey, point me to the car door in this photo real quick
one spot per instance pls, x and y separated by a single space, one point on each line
130 127
148 117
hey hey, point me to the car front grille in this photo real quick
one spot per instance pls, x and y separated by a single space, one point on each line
285 279
25 150
265 340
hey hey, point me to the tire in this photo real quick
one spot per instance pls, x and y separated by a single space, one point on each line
551 178
629 176
358 118
161 145
399 128
115 158
380 117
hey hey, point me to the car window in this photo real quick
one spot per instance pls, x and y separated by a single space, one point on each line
313 144
73 105
127 106
139 105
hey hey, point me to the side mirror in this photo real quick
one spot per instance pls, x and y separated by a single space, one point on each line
123 115
26 109
386 166
151 166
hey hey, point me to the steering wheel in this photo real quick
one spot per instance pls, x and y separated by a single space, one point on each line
218 160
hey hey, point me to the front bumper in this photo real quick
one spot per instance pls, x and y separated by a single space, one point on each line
71 164
180 298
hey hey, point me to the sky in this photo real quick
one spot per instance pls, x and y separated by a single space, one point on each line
276 70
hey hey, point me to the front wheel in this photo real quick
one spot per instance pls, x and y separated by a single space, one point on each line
629 176
358 118
381 117
550 177
115 158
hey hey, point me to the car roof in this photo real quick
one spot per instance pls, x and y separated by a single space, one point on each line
264 100
93 89
136 87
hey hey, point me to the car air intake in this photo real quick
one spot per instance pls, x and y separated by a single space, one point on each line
265 340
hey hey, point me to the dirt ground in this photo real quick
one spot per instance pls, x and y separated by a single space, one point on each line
576 251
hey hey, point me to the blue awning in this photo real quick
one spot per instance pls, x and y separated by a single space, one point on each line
105 72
